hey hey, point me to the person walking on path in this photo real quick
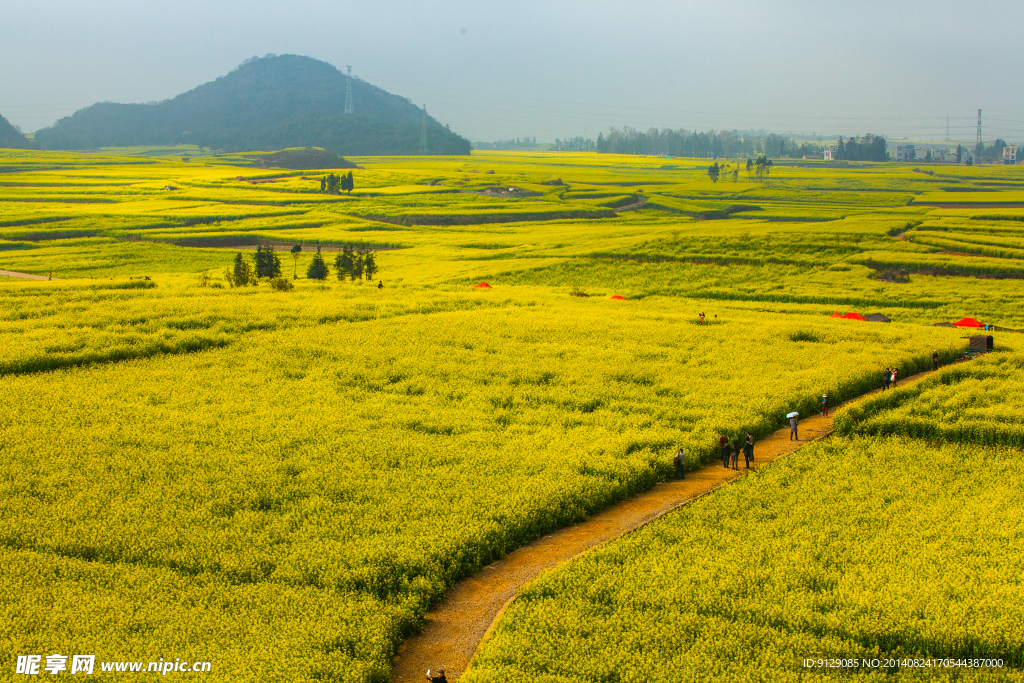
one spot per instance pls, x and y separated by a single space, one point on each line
735 452
824 405
439 678
894 378
680 462
748 449
935 359
793 422
702 318
723 443
886 378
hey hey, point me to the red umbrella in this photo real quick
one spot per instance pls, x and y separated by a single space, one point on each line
968 322
482 285
618 298
854 316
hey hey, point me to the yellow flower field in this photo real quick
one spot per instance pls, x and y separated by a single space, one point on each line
283 482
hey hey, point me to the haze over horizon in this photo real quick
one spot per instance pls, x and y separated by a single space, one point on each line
551 70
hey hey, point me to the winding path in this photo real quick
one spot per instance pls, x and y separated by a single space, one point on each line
455 629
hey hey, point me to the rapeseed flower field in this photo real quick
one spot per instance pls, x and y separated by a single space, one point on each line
283 482
848 551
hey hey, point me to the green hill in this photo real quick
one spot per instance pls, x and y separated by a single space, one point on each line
10 138
269 103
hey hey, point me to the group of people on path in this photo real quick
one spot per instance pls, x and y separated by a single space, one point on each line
730 454
731 451
889 378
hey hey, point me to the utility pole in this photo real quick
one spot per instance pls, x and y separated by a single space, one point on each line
423 132
979 148
348 92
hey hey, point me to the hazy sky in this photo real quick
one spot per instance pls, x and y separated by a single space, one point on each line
495 70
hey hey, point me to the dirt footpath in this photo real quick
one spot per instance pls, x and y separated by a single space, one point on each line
11 273
455 628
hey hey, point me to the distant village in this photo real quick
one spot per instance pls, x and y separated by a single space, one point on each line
999 153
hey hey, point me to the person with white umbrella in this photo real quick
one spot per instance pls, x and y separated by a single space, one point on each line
793 422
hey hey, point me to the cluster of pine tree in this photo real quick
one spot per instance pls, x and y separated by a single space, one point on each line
868 148
354 264
265 264
330 184
241 274
349 264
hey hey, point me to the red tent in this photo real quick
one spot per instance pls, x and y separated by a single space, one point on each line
854 316
837 314
618 298
482 285
968 322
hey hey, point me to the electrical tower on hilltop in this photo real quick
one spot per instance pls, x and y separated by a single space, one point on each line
423 132
979 148
348 92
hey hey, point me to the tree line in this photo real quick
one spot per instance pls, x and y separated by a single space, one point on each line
350 264
576 144
762 166
729 144
868 148
332 183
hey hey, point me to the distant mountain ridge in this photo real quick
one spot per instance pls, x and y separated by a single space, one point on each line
266 104
10 138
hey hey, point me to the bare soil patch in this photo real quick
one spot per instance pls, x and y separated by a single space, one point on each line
26 276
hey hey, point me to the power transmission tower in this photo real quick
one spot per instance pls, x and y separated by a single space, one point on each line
348 92
979 148
947 129
423 132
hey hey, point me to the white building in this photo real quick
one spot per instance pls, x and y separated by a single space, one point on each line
829 153
1010 154
904 152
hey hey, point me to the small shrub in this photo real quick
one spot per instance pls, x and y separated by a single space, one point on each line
804 335
280 284
896 276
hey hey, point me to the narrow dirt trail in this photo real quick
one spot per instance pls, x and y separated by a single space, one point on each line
455 628
11 273
630 207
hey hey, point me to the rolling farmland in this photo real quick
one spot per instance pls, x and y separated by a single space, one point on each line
284 482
